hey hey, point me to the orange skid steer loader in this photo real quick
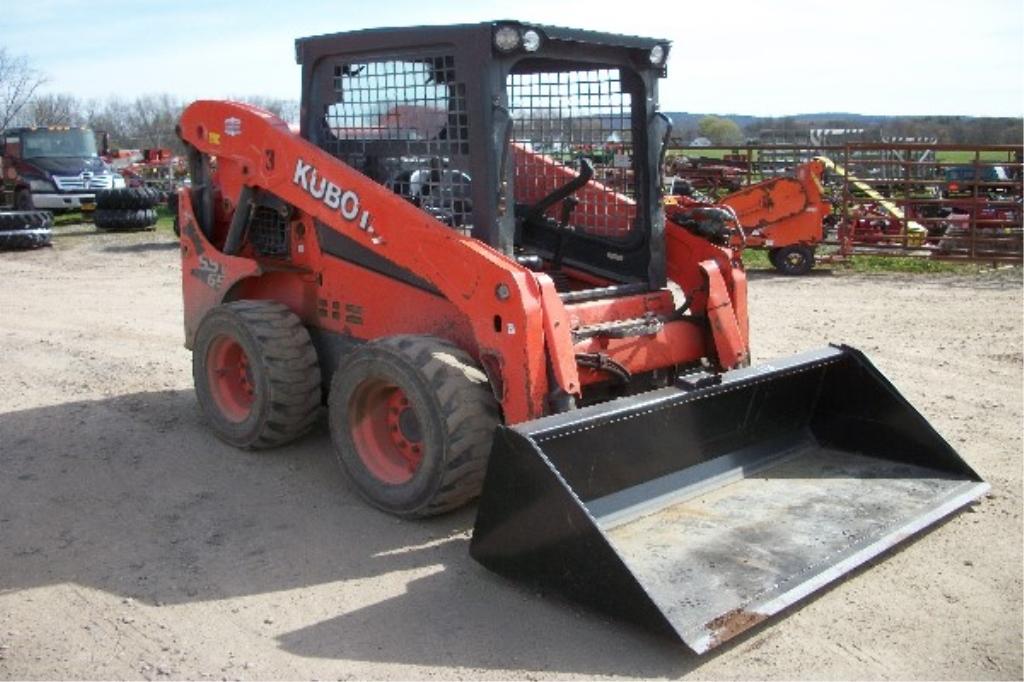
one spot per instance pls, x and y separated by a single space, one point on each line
490 313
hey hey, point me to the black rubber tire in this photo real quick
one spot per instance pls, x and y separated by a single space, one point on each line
25 220
21 230
23 201
124 220
284 369
126 198
108 199
772 255
456 411
172 208
794 260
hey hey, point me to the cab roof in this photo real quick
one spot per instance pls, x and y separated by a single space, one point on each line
387 38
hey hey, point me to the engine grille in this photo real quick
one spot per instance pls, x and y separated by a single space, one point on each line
560 116
268 232
83 181
403 122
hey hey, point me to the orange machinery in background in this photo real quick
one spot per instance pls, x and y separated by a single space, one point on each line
785 215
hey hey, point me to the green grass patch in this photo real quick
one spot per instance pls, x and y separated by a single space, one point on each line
966 157
695 152
75 218
706 152
757 259
911 265
164 219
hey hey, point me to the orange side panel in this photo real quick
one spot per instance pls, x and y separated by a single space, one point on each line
362 304
725 330
783 211
601 211
557 339
684 253
739 306
207 275
768 202
716 285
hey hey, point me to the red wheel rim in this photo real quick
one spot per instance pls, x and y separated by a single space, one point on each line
386 431
230 378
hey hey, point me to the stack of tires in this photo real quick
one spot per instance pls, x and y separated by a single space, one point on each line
25 229
129 208
172 208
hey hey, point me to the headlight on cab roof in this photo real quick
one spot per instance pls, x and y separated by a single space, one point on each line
531 40
506 38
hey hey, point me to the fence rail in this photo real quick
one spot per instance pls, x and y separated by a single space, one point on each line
959 202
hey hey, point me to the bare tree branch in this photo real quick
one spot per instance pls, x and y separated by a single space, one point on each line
18 83
286 109
53 110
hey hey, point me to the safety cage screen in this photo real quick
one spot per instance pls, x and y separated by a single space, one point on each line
560 116
403 122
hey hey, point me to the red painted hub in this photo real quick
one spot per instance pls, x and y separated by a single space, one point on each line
386 431
230 378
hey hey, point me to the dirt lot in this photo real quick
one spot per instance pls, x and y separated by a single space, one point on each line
133 544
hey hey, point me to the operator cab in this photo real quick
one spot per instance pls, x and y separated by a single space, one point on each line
542 142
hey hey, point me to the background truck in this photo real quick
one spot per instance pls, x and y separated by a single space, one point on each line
53 169
487 320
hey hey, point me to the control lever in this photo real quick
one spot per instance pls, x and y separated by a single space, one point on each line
568 206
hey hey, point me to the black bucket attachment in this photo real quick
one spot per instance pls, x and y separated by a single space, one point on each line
700 511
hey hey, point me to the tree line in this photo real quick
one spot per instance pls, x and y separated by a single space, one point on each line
963 130
143 122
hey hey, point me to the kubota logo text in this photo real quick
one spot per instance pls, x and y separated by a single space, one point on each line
345 202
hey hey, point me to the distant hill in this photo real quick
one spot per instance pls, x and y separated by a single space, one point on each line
743 120
683 119
947 129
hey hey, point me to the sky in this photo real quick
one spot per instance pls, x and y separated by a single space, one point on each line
883 57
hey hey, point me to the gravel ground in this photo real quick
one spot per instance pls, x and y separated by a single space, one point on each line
133 544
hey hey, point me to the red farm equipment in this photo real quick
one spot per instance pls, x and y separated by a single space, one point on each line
787 216
706 174
159 169
486 320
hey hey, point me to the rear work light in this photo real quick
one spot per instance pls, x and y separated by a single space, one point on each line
506 39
